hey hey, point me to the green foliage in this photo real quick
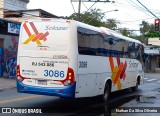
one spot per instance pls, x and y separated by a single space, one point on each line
144 27
147 31
124 32
94 17
111 23
152 34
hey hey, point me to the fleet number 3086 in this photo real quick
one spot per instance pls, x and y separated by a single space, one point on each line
51 73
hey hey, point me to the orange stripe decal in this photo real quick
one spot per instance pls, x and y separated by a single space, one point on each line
37 37
111 63
118 72
44 36
114 73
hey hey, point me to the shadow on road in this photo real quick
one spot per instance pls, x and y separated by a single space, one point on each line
86 106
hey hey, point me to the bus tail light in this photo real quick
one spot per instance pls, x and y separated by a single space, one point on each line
19 77
70 78
18 71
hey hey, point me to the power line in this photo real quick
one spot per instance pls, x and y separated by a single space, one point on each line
138 7
134 5
138 20
148 9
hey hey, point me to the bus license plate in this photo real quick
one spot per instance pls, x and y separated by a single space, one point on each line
42 82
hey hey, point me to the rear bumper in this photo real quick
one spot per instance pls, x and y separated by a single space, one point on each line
66 91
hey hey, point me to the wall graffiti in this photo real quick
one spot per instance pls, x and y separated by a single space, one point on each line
10 59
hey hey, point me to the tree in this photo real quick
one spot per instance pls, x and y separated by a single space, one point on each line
147 30
112 23
93 17
125 32
145 27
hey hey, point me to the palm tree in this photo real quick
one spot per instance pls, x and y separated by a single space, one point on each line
144 27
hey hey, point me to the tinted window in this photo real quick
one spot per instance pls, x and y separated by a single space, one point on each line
95 43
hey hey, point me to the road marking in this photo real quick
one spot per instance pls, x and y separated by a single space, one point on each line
152 80
19 99
145 78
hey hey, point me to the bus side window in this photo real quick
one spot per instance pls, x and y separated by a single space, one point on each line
131 50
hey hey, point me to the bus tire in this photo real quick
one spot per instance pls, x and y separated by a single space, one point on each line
106 93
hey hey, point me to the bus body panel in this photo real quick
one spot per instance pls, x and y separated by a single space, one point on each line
67 91
96 72
43 58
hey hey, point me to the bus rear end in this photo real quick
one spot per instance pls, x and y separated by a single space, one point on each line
43 59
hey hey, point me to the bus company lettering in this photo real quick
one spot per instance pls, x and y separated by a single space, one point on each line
132 64
55 28
82 64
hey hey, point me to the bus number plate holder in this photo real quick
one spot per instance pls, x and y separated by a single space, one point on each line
42 82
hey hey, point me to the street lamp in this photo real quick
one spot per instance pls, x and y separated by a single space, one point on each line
104 12
111 11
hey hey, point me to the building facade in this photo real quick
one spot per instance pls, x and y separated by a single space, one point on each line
12 13
12 5
9 35
152 58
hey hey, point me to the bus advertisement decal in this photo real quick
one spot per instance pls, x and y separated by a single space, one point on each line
118 72
36 37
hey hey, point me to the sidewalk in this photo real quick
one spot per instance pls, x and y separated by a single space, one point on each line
6 83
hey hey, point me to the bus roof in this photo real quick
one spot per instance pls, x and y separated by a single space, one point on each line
107 31
81 24
116 34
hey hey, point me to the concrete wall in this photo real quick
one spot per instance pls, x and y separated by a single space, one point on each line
15 5
12 5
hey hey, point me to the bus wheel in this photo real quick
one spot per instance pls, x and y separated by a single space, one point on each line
106 93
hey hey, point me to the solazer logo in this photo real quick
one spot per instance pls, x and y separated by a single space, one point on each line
55 28
36 36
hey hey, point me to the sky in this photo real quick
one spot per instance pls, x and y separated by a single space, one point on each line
130 13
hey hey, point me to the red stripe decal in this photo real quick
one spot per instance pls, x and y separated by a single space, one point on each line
27 30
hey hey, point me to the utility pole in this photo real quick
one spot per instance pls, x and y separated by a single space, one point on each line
79 6
79 11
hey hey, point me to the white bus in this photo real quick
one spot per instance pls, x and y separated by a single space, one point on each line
70 59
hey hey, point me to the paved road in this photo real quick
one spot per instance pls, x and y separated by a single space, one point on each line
148 95
147 100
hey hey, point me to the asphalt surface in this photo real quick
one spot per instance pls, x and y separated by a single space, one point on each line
7 83
148 95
